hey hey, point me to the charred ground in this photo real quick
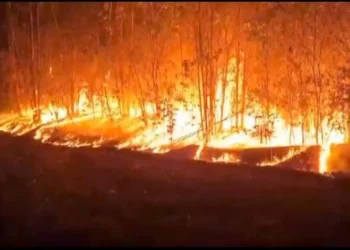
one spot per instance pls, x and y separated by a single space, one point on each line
64 196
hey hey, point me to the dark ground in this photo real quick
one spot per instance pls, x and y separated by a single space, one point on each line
60 196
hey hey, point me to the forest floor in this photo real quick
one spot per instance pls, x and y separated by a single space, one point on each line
61 196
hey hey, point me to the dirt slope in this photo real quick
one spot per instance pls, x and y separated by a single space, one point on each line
61 196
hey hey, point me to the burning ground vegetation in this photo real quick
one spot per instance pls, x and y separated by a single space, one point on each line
177 128
213 77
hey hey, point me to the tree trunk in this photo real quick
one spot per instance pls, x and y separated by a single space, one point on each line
224 83
132 25
38 56
72 83
302 106
237 92
200 78
236 102
267 78
315 81
14 70
142 98
244 90
34 70
212 73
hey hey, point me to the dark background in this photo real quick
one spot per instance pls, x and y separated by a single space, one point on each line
3 47
3 43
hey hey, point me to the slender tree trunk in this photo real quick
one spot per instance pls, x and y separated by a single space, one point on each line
34 71
224 102
13 65
238 62
224 79
72 83
315 81
237 92
142 98
267 81
110 32
244 90
212 72
123 98
38 56
200 78
181 51
290 107
132 25
156 52
105 94
302 106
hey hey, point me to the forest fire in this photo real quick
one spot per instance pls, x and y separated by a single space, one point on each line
180 123
211 87
185 122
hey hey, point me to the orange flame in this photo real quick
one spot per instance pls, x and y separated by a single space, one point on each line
181 124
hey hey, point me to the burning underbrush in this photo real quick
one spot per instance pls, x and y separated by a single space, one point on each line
94 132
131 132
227 126
101 132
90 130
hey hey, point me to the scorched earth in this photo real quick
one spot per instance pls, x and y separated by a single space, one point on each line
85 196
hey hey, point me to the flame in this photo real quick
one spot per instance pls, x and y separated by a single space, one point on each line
227 158
324 156
276 161
176 123
198 152
333 137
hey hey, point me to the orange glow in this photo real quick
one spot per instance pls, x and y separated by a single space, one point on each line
184 120
226 158
275 161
